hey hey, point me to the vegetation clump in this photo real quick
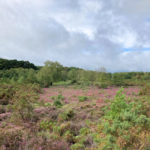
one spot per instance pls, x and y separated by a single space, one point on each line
82 98
57 103
31 118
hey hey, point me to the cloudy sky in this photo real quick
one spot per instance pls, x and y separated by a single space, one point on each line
89 34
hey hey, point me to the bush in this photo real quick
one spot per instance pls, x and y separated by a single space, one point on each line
84 131
66 115
104 86
77 146
73 81
123 125
60 97
2 109
57 103
82 98
145 90
47 125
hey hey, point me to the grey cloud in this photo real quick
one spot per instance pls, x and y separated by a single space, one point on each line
87 34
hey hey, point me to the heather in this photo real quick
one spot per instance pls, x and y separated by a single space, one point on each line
58 108
74 117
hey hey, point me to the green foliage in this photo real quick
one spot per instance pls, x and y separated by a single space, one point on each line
56 130
57 103
66 115
22 101
72 74
51 72
73 81
104 86
32 76
57 99
60 97
117 79
121 117
7 64
68 136
84 131
21 97
47 125
47 104
118 105
82 98
145 90
77 146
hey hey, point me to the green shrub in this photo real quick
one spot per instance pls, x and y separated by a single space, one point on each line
84 131
68 136
2 109
104 86
73 81
82 98
119 121
77 146
47 125
66 115
145 90
57 103
60 97
47 104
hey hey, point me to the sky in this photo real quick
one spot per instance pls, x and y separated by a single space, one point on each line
88 34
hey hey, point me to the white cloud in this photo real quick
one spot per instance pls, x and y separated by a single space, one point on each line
83 33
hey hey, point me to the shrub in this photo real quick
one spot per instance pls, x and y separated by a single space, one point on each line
145 90
2 109
11 140
104 86
123 124
47 125
84 131
97 85
77 146
57 103
47 104
73 81
82 98
68 136
66 115
60 97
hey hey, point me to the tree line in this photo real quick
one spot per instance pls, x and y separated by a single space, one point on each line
54 72
8 64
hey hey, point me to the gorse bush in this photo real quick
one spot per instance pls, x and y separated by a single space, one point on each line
66 115
120 121
84 131
58 97
20 98
82 98
104 86
57 103
47 125
145 90
77 146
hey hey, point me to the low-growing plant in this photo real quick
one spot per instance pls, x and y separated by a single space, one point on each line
93 104
47 125
47 104
66 115
77 146
82 98
117 126
57 103
68 136
104 86
60 97
84 131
